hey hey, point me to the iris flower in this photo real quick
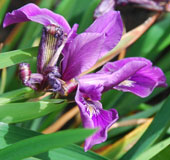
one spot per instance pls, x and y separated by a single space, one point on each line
79 53
155 5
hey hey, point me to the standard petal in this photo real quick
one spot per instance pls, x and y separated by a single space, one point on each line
31 12
82 53
110 24
71 36
93 116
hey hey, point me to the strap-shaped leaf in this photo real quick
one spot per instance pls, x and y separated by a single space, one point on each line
19 112
155 150
42 143
10 134
17 56
153 133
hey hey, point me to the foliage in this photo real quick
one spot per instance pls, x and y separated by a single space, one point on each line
24 114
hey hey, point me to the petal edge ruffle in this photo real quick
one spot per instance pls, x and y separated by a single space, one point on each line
31 12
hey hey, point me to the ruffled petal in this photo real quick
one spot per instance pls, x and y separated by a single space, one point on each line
82 53
109 77
31 12
110 24
136 75
111 67
143 82
93 116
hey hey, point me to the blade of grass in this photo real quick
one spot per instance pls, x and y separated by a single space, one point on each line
3 7
14 36
153 41
16 95
87 18
163 154
10 134
19 112
43 143
61 121
144 114
147 155
116 150
17 56
160 123
3 80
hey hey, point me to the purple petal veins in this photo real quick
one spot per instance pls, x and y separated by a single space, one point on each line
93 116
51 40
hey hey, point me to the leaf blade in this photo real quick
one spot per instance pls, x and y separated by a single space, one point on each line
17 56
18 112
155 130
39 144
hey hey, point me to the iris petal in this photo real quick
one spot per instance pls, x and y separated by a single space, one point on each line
110 24
31 12
136 75
93 116
82 54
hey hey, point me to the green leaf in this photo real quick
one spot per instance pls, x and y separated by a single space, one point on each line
147 155
16 95
153 41
160 123
17 56
123 105
74 152
121 146
3 7
10 134
87 18
163 154
72 10
19 112
48 120
65 8
145 114
16 35
31 158
39 144
163 63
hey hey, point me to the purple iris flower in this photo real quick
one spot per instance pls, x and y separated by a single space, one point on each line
79 53
135 75
107 5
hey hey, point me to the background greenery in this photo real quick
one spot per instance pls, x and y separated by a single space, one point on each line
23 117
